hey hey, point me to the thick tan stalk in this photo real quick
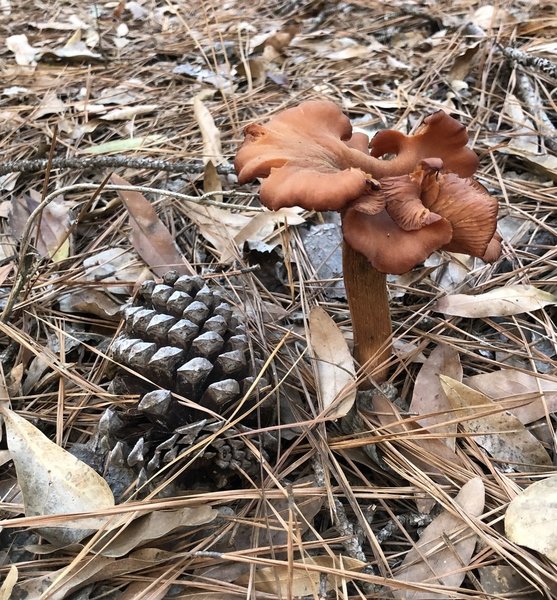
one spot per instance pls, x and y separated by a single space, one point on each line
366 290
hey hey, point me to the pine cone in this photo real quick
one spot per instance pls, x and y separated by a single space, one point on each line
181 338
128 459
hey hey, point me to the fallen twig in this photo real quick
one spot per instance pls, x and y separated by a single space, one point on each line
103 162
526 60
532 100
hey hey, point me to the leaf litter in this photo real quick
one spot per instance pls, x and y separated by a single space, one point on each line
130 79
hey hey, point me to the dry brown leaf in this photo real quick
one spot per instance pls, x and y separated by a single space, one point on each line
262 224
53 227
499 302
116 266
9 583
151 527
509 384
500 580
501 433
255 70
73 48
144 589
433 560
277 39
150 238
90 301
351 51
212 148
52 480
334 365
211 180
428 396
128 112
464 63
25 54
219 227
546 164
211 596
51 104
61 583
389 417
296 580
53 241
531 518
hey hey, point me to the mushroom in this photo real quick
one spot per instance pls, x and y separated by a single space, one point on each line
395 212
429 209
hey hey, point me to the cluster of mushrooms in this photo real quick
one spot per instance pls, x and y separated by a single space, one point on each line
401 197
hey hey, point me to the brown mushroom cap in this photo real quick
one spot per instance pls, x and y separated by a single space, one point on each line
425 211
425 200
310 158
304 156
439 136
471 211
389 248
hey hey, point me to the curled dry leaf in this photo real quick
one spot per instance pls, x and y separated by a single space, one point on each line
218 227
390 418
211 181
9 583
500 433
151 527
531 518
428 396
73 48
150 238
445 547
295 580
212 149
261 225
500 302
25 54
53 227
53 481
539 394
334 365
116 266
61 583
227 231
93 302
505 579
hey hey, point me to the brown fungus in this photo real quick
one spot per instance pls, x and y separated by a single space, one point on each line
395 211
303 154
427 210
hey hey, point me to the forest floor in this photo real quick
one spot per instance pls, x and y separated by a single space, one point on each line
315 504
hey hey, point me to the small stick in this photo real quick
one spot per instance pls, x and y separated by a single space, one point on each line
526 60
533 101
102 162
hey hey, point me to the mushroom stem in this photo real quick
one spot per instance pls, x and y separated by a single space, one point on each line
366 290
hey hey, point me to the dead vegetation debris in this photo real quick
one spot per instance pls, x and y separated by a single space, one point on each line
119 122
